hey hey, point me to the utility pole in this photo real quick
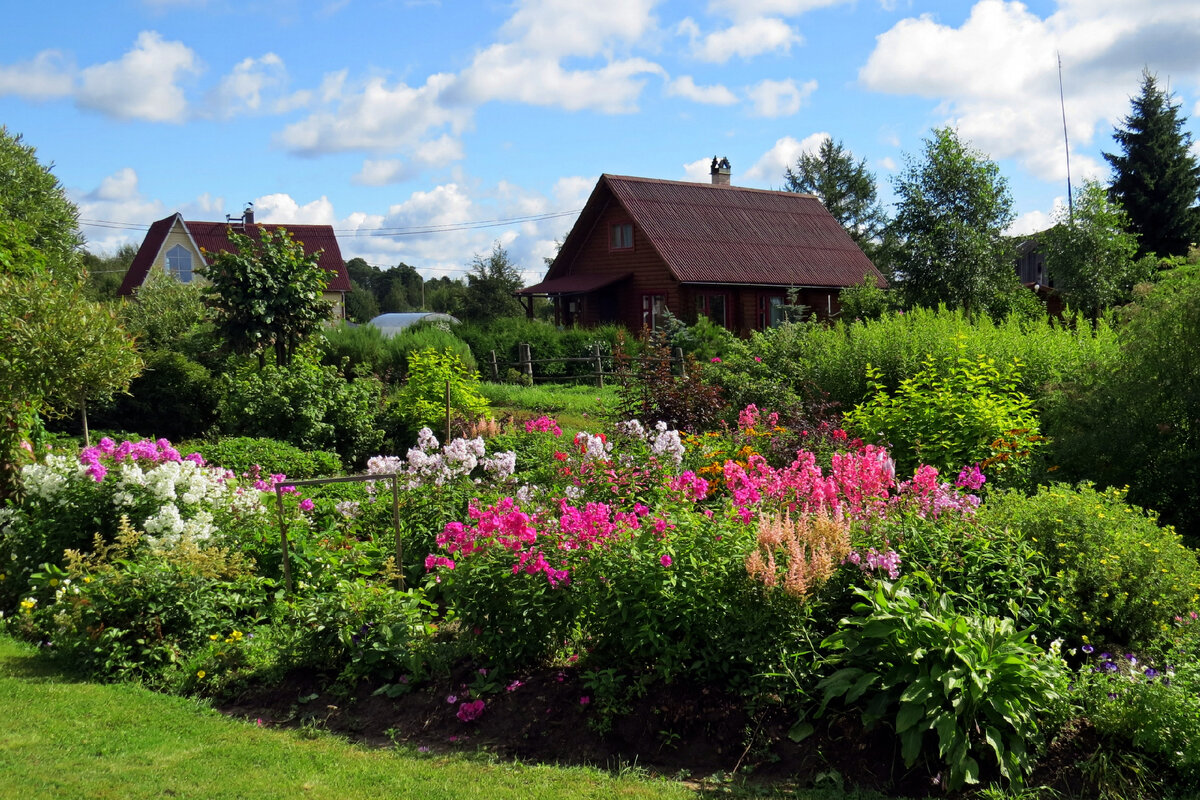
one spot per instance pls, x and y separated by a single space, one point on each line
1066 144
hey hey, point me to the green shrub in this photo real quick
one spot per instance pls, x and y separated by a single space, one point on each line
973 683
653 388
1132 419
366 351
1116 576
174 397
308 405
421 401
545 341
242 453
954 413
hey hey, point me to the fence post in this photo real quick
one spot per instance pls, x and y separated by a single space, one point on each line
526 358
495 368
677 355
283 540
447 439
396 527
599 365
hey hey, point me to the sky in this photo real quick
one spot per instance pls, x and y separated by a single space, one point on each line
427 131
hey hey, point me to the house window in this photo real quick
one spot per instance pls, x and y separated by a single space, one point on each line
179 263
713 307
653 306
770 311
622 236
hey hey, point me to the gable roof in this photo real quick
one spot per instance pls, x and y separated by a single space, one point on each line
214 237
727 234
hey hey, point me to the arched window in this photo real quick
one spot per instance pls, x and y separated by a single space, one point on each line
179 263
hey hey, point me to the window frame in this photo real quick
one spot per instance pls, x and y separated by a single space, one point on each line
625 242
173 270
704 307
655 314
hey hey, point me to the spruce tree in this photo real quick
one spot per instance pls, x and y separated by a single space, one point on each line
1155 178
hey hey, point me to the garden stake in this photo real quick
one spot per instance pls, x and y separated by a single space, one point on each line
396 526
283 542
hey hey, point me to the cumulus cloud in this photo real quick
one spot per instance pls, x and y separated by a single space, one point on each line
281 209
559 28
745 40
748 9
779 98
48 75
374 118
243 90
685 87
771 166
995 77
436 153
143 83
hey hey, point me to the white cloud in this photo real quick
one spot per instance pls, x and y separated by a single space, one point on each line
243 89
685 87
779 98
888 163
436 153
142 84
747 9
698 171
47 75
746 40
995 77
281 209
560 28
770 167
376 118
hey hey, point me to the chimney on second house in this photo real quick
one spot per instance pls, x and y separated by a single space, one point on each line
720 171
248 214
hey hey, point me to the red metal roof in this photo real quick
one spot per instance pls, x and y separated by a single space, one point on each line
729 234
574 284
214 237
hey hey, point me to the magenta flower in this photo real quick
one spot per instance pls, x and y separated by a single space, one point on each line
665 560
583 701
469 712
306 504
716 360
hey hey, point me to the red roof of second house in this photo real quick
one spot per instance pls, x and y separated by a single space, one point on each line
213 237
729 234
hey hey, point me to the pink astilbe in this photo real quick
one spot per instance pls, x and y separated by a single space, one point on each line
810 547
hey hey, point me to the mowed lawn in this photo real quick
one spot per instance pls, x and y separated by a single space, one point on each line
60 738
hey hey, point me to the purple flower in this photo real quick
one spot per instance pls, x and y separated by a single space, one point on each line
451 699
1151 672
1109 666
1106 656
1130 658
1087 648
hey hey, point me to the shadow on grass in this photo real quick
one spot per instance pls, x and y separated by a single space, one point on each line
24 662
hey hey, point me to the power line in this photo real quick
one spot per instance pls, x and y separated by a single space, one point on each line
417 230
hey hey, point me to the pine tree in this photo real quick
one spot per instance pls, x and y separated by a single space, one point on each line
846 188
1155 178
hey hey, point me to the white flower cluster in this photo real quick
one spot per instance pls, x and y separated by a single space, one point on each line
167 526
631 428
667 443
425 466
46 480
594 447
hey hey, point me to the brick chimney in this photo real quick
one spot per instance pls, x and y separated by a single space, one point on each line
720 171
248 214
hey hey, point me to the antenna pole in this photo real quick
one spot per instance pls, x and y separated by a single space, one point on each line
1066 144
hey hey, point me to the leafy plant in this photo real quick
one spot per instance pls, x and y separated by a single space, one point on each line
421 401
954 415
652 390
973 682
243 453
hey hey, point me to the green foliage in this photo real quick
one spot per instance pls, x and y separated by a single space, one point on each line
361 305
865 301
57 351
308 405
1090 256
1156 177
545 342
266 295
952 209
908 656
163 310
1116 576
365 350
845 188
173 397
106 272
39 226
242 453
491 284
128 610
1131 419
833 359
421 401
654 388
952 415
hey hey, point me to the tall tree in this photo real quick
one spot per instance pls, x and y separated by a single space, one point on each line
846 188
1156 178
57 349
953 206
267 294
1090 255
491 286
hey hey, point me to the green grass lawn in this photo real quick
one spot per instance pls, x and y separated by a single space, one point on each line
65 739
576 407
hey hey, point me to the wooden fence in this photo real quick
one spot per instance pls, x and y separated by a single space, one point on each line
598 361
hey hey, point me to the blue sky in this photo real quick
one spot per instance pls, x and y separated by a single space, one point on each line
413 126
